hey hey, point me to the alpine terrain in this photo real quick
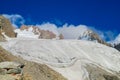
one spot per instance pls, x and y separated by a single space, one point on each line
48 56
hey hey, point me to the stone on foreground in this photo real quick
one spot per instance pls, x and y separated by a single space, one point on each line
11 71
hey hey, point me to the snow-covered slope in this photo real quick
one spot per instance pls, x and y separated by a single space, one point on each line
68 57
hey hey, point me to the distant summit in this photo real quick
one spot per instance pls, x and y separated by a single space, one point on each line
90 35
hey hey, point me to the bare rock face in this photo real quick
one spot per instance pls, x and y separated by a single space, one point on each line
11 71
6 26
46 34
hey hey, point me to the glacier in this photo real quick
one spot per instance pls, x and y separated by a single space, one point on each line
68 57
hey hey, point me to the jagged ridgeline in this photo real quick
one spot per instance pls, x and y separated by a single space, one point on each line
6 27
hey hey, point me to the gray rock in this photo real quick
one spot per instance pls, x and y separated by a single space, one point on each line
14 71
11 71
10 65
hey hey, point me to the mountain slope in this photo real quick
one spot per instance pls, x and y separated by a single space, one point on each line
32 70
74 59
6 26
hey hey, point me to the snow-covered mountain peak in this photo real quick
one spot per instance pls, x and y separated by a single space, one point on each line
35 32
26 32
89 35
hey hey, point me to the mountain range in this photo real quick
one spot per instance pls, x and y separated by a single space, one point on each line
87 57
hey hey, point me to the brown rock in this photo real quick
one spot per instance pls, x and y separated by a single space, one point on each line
6 26
47 34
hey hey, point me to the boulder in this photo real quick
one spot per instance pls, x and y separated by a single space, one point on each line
11 70
10 65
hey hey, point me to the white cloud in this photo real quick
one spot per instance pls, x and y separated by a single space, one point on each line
15 19
110 35
71 31
116 40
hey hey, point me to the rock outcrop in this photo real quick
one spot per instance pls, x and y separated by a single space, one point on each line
11 71
46 34
6 26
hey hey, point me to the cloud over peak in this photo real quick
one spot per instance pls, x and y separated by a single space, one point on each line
71 31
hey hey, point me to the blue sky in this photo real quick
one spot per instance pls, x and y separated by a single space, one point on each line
101 14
